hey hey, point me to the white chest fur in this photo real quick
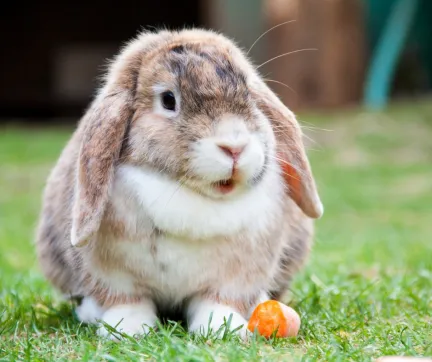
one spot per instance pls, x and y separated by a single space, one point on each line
202 243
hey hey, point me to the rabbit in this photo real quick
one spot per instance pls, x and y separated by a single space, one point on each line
171 195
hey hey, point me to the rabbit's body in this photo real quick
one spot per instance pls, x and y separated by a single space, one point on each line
162 231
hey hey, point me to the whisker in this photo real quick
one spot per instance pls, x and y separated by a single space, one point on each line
289 164
175 190
286 125
274 27
284 54
282 131
310 139
180 184
313 125
290 176
277 82
313 128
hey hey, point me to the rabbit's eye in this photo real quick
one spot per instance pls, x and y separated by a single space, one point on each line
168 100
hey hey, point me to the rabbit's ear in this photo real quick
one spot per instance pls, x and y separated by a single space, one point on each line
103 130
104 127
291 153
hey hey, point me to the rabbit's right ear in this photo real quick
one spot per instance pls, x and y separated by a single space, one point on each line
103 130
104 127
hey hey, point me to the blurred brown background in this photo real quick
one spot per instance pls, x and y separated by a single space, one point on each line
52 53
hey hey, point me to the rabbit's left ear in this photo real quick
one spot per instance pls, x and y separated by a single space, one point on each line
290 150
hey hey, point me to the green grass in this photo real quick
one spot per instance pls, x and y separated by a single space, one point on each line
366 292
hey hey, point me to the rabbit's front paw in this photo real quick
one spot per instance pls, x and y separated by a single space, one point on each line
130 319
207 317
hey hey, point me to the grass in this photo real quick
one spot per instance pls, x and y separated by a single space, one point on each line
366 292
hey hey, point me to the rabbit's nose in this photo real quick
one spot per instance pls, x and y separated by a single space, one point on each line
232 151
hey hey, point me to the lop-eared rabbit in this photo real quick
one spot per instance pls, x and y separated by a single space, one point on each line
185 186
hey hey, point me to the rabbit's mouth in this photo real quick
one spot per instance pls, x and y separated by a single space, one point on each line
225 186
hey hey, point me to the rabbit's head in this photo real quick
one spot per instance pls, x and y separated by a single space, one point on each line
189 105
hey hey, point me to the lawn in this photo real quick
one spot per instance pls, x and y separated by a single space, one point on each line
366 291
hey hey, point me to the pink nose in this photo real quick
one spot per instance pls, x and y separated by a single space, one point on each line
232 151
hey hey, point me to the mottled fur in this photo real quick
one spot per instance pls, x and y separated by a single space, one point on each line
111 228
